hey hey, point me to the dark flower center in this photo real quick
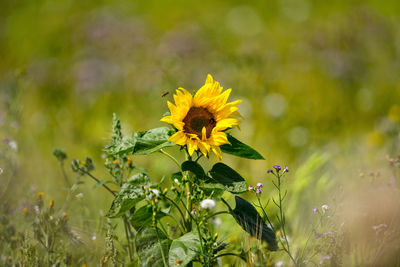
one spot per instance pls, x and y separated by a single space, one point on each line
196 119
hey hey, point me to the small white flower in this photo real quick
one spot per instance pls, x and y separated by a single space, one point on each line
79 196
176 181
279 263
207 204
153 191
13 145
325 207
36 208
94 237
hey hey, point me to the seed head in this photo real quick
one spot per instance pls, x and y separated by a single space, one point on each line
207 204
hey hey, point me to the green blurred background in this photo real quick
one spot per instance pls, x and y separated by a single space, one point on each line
314 76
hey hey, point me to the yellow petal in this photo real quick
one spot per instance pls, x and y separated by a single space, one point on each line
209 79
192 146
226 123
178 138
218 139
203 134
172 107
168 119
217 151
204 148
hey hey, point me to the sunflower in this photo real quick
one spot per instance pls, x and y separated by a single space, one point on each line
202 119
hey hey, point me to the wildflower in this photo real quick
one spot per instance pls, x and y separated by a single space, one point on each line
25 210
65 215
258 191
94 237
318 235
40 195
379 227
324 258
260 185
315 210
277 167
13 145
79 196
250 187
286 169
115 162
325 207
51 203
36 208
207 204
153 192
270 171
279 264
202 119
176 181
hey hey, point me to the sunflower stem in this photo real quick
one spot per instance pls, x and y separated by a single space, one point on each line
171 157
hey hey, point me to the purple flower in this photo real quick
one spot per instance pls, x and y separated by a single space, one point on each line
250 187
260 185
258 191
315 210
325 207
270 170
277 167
286 169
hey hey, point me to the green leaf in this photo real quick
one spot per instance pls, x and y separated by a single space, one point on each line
144 217
240 149
226 178
142 143
250 220
131 193
148 247
184 249
195 168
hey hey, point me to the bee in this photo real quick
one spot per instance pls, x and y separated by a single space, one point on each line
165 94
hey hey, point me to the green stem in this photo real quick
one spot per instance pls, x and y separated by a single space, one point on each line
127 234
176 205
217 213
283 221
171 157
198 230
98 181
161 248
265 214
